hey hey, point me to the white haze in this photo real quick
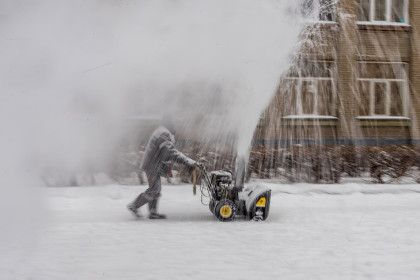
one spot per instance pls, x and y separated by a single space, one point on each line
72 71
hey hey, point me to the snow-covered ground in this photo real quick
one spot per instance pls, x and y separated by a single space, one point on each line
366 232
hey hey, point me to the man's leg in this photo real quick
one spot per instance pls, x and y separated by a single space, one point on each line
154 193
153 205
155 187
148 196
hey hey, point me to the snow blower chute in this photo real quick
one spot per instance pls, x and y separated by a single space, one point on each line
227 200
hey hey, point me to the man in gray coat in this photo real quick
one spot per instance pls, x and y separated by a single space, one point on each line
157 160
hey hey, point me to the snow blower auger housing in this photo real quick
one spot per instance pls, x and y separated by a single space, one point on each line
228 201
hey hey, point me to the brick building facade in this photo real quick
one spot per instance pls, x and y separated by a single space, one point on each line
355 78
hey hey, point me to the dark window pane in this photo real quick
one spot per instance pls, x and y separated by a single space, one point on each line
289 93
326 10
307 94
323 69
399 71
293 71
380 98
368 70
307 7
397 12
382 71
396 99
325 93
292 90
311 69
363 87
390 71
364 10
380 10
385 71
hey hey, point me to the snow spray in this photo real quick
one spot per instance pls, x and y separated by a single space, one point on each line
74 71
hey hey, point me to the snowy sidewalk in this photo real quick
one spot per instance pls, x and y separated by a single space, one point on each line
349 187
90 235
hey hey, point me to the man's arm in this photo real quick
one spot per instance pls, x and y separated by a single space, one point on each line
168 149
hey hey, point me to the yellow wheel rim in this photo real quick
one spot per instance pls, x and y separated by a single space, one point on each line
225 211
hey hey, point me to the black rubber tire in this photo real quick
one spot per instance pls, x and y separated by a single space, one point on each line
212 204
225 210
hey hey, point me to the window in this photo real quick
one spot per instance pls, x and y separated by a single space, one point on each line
383 11
323 10
383 89
308 89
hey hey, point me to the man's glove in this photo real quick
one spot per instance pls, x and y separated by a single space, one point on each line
192 164
199 166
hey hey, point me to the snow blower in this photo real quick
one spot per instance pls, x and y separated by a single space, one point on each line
229 200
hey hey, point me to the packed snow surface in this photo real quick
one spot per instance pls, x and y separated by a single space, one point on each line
356 233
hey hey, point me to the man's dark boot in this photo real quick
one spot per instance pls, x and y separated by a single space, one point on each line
155 215
133 210
141 200
153 205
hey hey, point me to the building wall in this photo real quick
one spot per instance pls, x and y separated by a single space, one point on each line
415 70
348 43
346 65
383 44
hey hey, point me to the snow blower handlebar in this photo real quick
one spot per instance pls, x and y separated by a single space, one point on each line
201 169
198 167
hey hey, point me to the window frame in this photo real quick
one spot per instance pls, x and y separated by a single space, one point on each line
388 14
314 83
405 95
